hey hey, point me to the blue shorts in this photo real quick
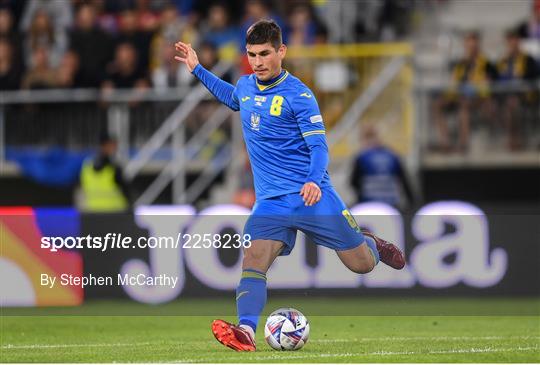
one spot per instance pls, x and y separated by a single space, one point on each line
327 223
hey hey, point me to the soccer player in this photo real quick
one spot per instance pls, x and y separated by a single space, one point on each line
285 139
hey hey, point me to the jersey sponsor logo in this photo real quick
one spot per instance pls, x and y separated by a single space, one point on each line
255 121
246 98
259 99
316 118
306 95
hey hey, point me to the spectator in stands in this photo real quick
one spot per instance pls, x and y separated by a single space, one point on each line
123 72
471 77
516 65
517 69
10 72
393 19
147 19
15 8
103 186
67 74
531 28
43 34
301 27
209 58
93 46
106 21
130 33
60 11
172 27
221 34
8 32
40 75
169 73
378 174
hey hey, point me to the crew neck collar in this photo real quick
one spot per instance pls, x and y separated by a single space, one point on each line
268 82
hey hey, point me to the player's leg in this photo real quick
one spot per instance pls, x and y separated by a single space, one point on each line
361 259
251 291
250 296
271 236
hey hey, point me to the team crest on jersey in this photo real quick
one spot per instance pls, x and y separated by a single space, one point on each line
259 99
255 121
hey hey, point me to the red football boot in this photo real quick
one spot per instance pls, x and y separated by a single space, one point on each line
389 253
232 336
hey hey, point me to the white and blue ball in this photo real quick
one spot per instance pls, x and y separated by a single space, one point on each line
286 329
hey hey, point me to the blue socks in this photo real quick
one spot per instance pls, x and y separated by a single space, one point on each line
373 248
251 297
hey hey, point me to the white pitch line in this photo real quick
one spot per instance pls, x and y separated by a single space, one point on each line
426 338
269 357
455 351
55 346
337 340
378 353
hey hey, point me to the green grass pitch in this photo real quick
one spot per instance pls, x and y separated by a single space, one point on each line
393 330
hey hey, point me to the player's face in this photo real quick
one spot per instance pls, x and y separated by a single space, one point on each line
265 60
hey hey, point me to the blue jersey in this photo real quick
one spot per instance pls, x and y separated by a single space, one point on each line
283 129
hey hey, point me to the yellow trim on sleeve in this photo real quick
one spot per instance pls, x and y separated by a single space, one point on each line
310 133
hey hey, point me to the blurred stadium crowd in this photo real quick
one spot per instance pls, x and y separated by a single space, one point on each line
129 43
486 87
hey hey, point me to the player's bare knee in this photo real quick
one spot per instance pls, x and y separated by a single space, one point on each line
362 266
370 265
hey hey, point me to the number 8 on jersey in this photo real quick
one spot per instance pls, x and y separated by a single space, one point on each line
275 108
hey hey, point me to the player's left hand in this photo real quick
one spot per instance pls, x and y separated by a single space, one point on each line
311 193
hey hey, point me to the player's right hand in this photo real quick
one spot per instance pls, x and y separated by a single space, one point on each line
311 193
187 55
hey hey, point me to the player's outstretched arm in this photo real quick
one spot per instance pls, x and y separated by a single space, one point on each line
222 90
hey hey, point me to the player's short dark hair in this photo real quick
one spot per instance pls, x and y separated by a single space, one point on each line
264 31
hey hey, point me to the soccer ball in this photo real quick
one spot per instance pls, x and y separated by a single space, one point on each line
286 329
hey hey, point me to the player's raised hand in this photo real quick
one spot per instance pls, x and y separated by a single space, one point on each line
187 55
311 193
